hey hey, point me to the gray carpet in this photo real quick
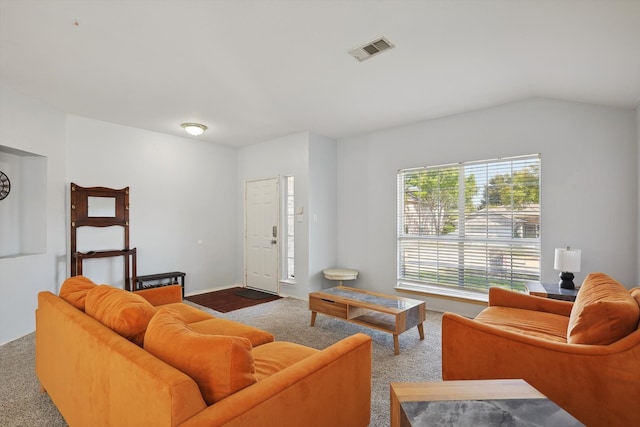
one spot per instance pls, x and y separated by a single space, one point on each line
22 404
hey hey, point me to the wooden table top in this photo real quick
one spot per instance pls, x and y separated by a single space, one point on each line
466 390
373 300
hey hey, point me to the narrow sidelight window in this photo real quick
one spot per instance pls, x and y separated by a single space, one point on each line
291 220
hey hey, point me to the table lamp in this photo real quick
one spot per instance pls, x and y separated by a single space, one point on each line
567 261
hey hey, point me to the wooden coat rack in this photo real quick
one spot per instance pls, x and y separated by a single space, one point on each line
118 215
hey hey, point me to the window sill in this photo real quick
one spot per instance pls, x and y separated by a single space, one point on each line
289 282
438 292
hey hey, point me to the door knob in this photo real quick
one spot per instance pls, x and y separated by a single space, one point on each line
274 241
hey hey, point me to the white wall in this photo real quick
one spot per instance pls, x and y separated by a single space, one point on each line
311 159
183 199
322 209
184 191
285 156
589 191
21 278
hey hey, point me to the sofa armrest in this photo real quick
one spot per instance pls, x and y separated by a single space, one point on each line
506 298
337 377
162 294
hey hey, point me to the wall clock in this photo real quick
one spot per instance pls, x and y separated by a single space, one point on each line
5 185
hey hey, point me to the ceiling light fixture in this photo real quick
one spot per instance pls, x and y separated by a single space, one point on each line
195 129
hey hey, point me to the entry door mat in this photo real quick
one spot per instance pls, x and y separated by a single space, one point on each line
252 294
226 300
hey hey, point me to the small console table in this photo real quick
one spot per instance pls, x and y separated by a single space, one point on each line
173 275
340 274
551 290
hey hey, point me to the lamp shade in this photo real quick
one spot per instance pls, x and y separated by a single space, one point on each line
567 260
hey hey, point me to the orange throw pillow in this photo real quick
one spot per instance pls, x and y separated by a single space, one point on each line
635 293
74 290
220 365
603 313
124 312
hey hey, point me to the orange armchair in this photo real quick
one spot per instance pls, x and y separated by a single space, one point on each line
547 343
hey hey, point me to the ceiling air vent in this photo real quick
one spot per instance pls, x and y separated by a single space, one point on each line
370 49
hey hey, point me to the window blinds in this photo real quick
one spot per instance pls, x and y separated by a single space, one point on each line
470 225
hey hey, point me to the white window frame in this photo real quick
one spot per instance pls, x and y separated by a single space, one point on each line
424 255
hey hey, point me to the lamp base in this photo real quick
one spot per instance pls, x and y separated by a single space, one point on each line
566 280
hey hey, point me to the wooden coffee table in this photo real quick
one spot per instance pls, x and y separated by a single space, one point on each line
473 402
386 313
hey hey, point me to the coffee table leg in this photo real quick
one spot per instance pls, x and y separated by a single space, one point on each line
395 409
396 345
313 318
421 330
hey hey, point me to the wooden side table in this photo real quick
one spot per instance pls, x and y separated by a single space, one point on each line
478 402
551 290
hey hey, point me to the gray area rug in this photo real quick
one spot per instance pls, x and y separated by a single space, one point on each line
22 404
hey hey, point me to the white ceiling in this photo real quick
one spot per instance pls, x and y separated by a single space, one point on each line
256 70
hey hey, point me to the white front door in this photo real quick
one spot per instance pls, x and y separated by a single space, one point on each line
262 234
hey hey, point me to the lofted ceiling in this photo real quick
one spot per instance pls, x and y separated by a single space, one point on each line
256 70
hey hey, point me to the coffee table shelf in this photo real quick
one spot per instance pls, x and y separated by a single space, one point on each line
386 313
381 321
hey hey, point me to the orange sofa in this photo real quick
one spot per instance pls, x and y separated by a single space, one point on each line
108 357
584 356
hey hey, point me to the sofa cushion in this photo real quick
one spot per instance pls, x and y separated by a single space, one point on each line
190 314
220 365
126 313
635 293
603 313
74 290
273 357
229 327
549 326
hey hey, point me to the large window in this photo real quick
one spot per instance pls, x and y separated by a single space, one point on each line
465 227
